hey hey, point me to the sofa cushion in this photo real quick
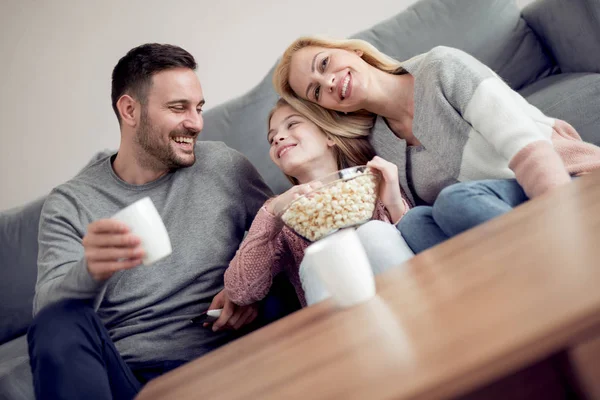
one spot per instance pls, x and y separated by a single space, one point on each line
242 124
18 271
574 98
570 30
18 264
16 381
491 30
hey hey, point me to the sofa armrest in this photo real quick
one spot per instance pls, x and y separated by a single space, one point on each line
570 30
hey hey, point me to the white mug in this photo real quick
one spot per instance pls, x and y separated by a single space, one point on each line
342 265
145 222
314 289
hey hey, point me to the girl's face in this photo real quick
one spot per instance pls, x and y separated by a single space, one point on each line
335 79
297 144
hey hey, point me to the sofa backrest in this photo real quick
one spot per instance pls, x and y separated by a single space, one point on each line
491 30
18 263
570 30
18 267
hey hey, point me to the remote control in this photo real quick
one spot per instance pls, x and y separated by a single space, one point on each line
209 316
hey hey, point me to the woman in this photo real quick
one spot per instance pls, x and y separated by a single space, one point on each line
442 117
304 153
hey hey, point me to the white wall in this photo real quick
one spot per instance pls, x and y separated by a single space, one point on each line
56 57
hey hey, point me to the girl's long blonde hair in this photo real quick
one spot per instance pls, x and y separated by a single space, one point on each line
349 125
348 151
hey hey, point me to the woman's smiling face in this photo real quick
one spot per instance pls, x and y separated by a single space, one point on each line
335 79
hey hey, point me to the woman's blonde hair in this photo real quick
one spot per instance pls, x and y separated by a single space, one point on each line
349 125
348 151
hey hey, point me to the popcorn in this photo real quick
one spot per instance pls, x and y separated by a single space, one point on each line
338 205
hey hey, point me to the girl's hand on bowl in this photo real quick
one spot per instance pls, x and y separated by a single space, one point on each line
389 188
279 203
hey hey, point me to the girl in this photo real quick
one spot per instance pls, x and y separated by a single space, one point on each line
304 153
442 117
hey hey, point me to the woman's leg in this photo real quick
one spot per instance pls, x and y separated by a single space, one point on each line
465 205
384 245
420 230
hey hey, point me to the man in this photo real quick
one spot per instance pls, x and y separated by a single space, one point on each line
105 324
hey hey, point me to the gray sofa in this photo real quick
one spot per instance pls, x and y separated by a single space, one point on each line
548 52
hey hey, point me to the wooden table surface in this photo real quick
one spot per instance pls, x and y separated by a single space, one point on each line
475 308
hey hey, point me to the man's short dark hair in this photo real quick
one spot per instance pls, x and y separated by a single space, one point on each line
133 73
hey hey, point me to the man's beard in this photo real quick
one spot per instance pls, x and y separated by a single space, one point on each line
153 153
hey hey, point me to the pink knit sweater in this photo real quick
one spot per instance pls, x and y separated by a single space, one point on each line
544 165
270 248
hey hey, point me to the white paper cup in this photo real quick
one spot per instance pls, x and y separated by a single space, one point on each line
145 222
342 264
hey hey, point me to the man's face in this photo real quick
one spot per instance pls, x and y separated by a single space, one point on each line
171 119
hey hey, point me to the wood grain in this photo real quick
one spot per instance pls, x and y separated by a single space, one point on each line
584 357
459 316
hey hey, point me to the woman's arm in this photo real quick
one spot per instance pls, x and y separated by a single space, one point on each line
517 130
259 258
390 194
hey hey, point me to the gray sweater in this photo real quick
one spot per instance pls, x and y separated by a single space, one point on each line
472 126
206 209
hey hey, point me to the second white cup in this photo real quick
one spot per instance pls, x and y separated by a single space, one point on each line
143 219
342 264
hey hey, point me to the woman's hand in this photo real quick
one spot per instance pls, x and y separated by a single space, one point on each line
279 203
389 189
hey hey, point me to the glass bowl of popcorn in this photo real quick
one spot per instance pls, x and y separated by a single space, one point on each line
346 198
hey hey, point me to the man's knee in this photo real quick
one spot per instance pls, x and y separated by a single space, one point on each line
62 314
56 326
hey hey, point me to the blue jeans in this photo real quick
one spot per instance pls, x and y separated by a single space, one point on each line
458 208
